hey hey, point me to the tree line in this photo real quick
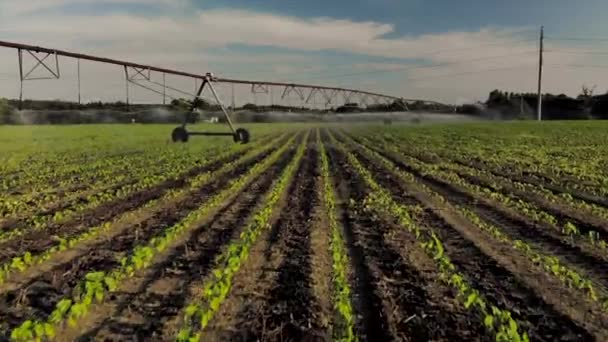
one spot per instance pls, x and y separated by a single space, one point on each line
511 105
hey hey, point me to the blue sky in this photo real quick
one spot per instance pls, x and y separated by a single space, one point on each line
377 45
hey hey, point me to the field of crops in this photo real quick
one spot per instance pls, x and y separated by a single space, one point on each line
464 232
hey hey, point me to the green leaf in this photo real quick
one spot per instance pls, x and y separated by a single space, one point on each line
489 321
470 300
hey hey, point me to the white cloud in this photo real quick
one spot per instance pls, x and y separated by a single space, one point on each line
176 40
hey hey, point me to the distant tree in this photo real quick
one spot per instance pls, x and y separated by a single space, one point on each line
250 106
586 92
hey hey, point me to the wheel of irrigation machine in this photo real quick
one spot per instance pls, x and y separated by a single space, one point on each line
241 135
180 134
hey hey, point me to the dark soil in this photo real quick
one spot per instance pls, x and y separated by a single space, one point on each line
39 241
519 228
393 295
37 298
500 286
291 312
188 264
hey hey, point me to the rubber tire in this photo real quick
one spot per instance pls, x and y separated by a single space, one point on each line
241 135
180 134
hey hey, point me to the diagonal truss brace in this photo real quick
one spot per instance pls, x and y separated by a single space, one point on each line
292 88
258 88
312 93
53 70
328 97
141 74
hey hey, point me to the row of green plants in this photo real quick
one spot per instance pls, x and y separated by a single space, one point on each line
502 192
535 213
106 180
572 159
496 321
505 190
23 262
45 185
550 264
344 326
172 170
101 181
109 181
95 285
200 311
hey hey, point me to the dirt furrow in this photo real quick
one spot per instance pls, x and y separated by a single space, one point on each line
408 305
38 297
38 241
290 310
486 273
537 181
515 225
564 214
141 311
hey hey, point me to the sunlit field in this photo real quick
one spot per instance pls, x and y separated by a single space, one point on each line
443 232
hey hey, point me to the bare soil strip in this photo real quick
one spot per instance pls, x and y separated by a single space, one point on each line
142 309
37 298
406 304
516 226
290 310
502 278
37 242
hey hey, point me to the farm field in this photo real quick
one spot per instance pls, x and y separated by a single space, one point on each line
460 232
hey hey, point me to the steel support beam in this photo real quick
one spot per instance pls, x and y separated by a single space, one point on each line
142 70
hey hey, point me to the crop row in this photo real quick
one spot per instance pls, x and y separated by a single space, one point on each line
509 190
533 212
95 285
40 221
579 167
25 261
201 310
550 264
108 182
506 185
496 321
344 326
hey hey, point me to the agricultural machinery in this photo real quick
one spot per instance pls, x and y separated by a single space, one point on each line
180 134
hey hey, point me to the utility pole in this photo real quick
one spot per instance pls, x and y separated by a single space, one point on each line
539 109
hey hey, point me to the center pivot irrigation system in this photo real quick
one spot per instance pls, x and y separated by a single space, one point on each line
136 73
